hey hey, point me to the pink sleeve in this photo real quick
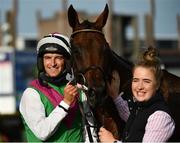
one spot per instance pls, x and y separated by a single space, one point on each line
159 128
122 107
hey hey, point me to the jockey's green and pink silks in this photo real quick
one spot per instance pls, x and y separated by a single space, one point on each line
71 128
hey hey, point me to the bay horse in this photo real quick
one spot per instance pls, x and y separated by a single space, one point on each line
93 58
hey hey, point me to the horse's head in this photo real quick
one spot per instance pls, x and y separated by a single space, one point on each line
89 47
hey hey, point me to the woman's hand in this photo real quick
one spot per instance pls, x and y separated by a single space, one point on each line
113 88
70 93
106 136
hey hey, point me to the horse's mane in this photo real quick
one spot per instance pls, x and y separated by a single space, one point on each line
120 60
86 24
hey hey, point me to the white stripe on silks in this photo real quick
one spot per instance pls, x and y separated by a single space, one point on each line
52 40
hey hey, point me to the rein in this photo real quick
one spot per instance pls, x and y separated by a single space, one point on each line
105 78
82 73
88 126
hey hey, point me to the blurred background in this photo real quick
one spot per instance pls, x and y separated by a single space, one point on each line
131 26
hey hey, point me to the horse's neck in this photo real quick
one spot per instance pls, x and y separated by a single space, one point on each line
170 83
123 68
122 62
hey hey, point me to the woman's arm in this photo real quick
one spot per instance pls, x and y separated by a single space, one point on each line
122 107
121 104
159 128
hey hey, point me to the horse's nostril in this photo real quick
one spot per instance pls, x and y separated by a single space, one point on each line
91 92
81 79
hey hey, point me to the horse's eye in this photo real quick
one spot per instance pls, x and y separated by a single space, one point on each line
81 79
96 76
75 51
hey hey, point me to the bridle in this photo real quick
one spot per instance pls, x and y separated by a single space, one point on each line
80 76
92 93
82 72
86 30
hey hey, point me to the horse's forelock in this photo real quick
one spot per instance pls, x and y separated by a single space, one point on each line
86 24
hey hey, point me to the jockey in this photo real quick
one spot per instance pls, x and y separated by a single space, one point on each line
53 109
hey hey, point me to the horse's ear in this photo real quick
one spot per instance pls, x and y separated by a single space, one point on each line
101 20
72 17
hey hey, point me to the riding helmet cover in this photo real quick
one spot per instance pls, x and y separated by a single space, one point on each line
53 43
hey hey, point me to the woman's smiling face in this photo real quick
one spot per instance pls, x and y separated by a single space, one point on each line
144 84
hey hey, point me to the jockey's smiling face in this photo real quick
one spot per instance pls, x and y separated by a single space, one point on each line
53 64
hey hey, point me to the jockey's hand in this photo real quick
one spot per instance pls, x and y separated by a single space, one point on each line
106 136
70 94
113 88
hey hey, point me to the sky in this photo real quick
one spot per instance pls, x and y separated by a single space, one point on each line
165 19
